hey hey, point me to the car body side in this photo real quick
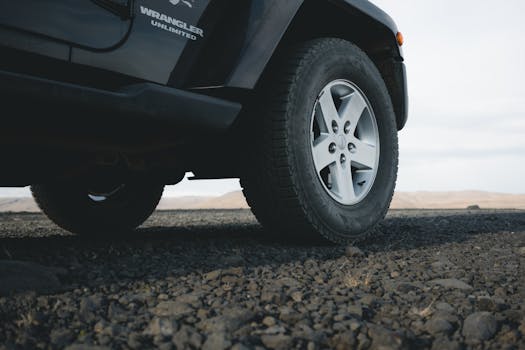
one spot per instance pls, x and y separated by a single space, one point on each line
208 48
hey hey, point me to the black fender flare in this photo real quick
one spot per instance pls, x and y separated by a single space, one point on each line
271 19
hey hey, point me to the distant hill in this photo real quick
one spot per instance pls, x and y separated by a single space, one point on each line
188 202
457 200
20 204
402 200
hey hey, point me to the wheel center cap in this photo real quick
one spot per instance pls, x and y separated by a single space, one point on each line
341 142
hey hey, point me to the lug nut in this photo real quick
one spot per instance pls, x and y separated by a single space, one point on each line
332 148
343 158
351 147
347 127
335 127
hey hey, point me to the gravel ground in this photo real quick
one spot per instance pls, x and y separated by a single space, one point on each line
215 280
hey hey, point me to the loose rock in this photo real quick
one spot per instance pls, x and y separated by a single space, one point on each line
383 338
480 326
278 342
269 321
173 308
216 341
452 283
354 252
161 326
437 325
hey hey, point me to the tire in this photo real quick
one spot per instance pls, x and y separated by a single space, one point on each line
76 209
282 185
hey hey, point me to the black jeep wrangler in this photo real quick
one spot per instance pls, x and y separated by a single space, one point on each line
104 102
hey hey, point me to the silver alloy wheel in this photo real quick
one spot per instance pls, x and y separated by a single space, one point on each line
345 142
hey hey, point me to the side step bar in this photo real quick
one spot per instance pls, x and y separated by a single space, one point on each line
144 103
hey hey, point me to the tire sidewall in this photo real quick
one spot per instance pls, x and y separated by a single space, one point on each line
342 61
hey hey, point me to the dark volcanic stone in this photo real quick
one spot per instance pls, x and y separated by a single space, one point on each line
354 252
61 337
216 341
452 283
383 338
277 342
89 307
438 325
480 326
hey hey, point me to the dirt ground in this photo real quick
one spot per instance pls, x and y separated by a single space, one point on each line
216 280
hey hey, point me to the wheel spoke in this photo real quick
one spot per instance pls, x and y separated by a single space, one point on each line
321 154
342 182
321 123
364 155
352 109
326 102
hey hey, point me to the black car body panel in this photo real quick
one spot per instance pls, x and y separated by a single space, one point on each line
79 23
372 11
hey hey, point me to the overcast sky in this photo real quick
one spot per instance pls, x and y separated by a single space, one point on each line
466 65
466 70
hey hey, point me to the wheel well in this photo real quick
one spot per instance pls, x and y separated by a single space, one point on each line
316 19
325 19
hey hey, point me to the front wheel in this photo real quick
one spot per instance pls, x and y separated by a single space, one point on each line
87 209
327 151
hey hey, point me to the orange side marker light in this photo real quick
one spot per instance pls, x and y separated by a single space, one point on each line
400 39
